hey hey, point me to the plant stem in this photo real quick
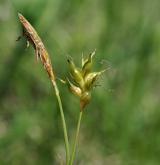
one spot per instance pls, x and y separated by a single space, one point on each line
76 139
63 121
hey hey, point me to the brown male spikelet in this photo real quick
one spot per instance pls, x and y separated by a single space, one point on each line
41 53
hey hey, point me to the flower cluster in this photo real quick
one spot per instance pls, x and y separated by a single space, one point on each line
83 79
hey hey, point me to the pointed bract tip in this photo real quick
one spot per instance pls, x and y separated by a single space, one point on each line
93 53
20 15
103 71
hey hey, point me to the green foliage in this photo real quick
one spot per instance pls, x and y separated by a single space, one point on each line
121 124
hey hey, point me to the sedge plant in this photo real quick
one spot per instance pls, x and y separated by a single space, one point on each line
83 81
80 84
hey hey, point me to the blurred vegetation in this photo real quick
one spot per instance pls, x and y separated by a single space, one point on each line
121 124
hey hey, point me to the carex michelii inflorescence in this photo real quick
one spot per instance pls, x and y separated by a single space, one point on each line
83 79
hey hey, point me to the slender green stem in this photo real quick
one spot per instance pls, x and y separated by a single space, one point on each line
76 139
63 122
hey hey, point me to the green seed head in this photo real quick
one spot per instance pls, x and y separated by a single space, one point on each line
84 79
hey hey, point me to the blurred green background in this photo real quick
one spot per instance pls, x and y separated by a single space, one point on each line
121 126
